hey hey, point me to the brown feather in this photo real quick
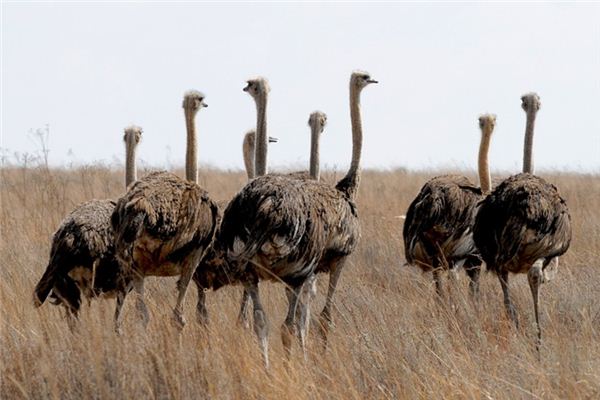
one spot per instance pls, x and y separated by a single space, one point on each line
83 240
438 225
286 227
524 219
161 220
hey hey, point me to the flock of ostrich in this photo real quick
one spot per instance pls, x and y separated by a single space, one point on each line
290 227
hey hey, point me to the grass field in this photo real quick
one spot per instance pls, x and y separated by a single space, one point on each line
392 338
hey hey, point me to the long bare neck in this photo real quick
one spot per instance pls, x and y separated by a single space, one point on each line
485 180
191 155
528 147
350 182
314 153
261 141
130 167
248 152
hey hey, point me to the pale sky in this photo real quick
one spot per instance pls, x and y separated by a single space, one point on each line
90 69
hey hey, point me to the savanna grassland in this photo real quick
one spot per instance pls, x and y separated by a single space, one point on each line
392 339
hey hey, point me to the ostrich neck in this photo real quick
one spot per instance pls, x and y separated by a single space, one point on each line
485 180
528 148
349 183
191 156
314 154
130 168
261 141
248 151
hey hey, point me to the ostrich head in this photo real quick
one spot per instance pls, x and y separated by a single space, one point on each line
487 122
211 272
133 134
361 79
318 119
257 87
250 138
193 100
530 102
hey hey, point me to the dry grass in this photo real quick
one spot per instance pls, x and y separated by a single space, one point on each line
391 340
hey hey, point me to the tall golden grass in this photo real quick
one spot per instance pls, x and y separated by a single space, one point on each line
392 338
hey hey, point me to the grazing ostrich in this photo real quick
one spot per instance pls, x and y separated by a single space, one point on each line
248 145
164 224
82 258
438 226
523 225
285 229
316 121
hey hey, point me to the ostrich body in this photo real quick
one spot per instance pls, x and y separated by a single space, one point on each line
523 225
438 227
82 258
164 224
285 229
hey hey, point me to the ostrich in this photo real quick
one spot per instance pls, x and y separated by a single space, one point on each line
285 229
164 224
523 225
438 226
316 121
82 258
248 145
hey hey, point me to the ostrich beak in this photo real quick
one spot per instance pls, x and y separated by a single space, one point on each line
245 89
372 81
273 139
